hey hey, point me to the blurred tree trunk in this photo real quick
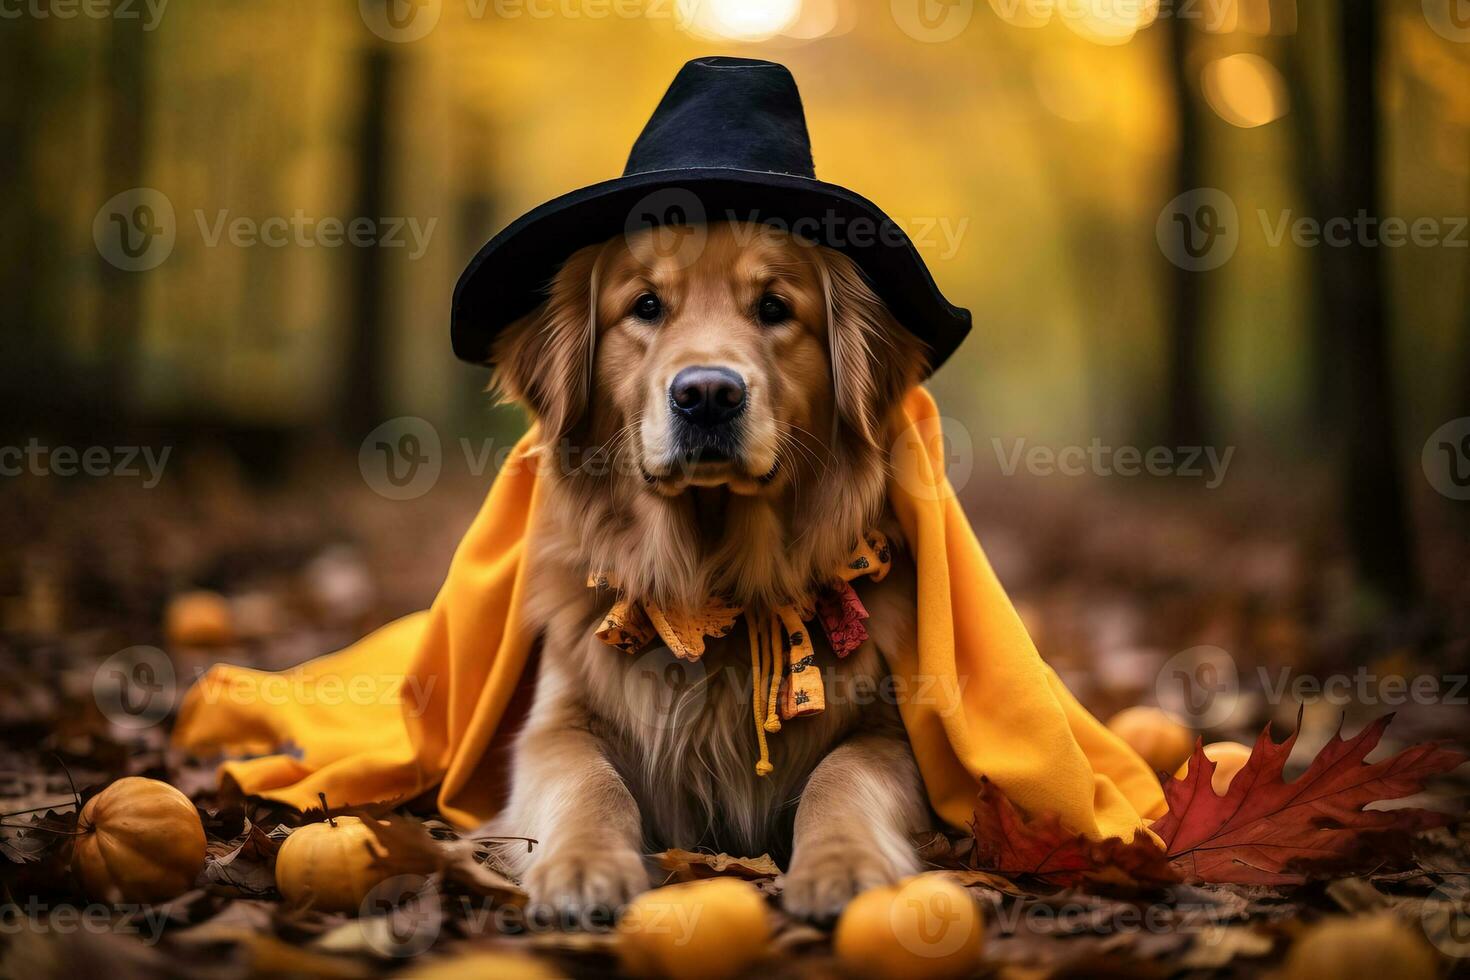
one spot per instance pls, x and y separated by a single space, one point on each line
27 353
42 389
1316 189
1462 393
1374 498
126 140
365 375
1187 421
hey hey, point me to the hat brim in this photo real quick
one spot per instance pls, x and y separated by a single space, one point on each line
510 275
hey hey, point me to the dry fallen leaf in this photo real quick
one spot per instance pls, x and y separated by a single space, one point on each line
1218 948
408 927
245 865
689 865
1265 830
984 879
464 871
1262 831
1010 845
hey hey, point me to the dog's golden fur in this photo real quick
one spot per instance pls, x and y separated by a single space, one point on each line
621 754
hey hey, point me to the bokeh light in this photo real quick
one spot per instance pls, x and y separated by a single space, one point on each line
1245 90
1108 21
741 20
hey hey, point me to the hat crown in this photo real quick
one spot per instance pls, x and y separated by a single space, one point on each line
737 113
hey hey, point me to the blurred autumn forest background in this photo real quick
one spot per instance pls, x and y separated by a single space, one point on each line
1032 147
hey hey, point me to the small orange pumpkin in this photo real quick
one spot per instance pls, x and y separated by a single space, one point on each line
199 619
927 926
1363 947
714 928
331 865
1163 742
139 841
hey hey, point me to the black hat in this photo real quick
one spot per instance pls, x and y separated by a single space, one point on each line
728 141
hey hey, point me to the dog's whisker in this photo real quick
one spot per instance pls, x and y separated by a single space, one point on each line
792 426
787 440
794 439
609 449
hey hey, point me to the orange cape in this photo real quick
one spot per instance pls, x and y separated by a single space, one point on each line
429 700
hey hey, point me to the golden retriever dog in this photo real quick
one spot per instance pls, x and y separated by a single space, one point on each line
716 405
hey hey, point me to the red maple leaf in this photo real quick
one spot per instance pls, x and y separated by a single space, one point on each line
1264 830
1007 843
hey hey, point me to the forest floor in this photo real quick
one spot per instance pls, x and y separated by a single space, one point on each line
1115 580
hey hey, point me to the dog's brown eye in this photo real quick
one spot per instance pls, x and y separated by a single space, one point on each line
773 309
647 307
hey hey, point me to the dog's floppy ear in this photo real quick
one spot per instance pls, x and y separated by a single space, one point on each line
874 360
544 360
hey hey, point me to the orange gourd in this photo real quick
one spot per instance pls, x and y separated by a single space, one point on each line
332 865
1163 742
139 841
1364 947
713 929
925 928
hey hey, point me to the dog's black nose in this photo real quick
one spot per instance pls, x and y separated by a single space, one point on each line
707 396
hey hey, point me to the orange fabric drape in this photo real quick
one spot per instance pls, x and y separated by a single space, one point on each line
417 703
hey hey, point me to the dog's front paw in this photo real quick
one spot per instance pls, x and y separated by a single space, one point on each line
822 881
586 886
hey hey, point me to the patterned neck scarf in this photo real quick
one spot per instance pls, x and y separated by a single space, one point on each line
785 683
